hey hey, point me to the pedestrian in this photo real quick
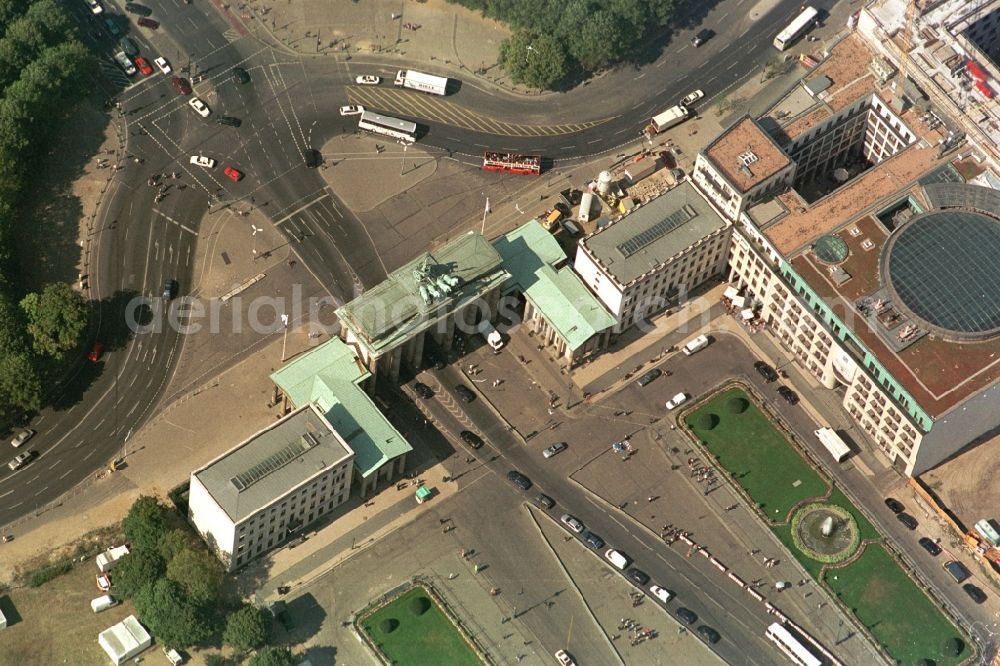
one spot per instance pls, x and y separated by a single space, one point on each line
650 498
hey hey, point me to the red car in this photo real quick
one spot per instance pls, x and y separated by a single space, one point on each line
148 23
143 66
96 352
182 85
234 175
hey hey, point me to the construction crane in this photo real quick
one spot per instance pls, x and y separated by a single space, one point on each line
912 8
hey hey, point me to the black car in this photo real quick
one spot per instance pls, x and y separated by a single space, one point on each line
229 120
688 616
545 501
928 544
241 75
790 396
894 505
518 479
908 521
423 390
975 593
593 540
465 393
637 576
169 289
702 37
471 438
649 377
709 634
140 10
766 371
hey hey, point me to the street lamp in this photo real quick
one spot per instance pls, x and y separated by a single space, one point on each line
253 235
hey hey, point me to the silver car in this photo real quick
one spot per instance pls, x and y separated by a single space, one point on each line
19 460
21 437
572 523
554 449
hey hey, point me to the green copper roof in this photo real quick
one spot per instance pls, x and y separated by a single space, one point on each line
539 268
330 376
397 309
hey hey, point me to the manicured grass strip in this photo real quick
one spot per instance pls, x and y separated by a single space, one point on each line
900 616
756 454
410 637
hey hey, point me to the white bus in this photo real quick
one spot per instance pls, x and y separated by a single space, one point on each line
403 130
796 28
829 438
791 647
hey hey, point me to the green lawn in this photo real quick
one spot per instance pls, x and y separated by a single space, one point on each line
893 608
428 638
757 456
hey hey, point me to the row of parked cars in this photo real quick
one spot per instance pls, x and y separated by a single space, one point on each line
956 569
616 558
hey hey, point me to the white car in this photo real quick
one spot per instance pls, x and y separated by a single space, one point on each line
21 437
125 63
19 460
95 6
200 107
563 658
162 63
368 80
676 400
352 110
572 523
660 593
202 161
692 98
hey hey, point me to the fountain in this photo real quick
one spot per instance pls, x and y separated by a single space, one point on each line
826 527
825 532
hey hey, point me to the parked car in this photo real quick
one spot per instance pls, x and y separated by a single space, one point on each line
766 371
637 576
143 66
20 460
169 289
709 634
975 593
688 616
94 6
518 479
233 174
423 390
138 9
112 25
465 394
661 593
181 85
202 161
96 352
162 64
692 98
957 570
564 659
21 437
648 377
352 110
593 540
676 400
128 46
908 521
702 37
790 396
125 63
232 121
104 582
471 438
554 449
148 23
241 75
368 80
545 501
199 107
572 523
928 544
894 505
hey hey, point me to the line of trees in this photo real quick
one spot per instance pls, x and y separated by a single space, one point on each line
559 40
44 72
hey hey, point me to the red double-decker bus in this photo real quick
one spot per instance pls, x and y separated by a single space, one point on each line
512 163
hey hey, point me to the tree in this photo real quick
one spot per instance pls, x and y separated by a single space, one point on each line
57 318
174 542
273 656
215 659
198 573
137 570
535 60
248 627
20 384
145 524
171 617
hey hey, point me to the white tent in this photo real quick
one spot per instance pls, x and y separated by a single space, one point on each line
124 640
731 293
739 301
747 314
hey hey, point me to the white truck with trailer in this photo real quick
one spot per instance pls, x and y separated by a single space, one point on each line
428 83
695 345
675 115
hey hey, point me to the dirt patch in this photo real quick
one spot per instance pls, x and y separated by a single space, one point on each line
967 483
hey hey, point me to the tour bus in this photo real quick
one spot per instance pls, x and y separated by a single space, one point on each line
792 647
796 28
403 130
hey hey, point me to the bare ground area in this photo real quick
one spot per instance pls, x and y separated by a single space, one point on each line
967 483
